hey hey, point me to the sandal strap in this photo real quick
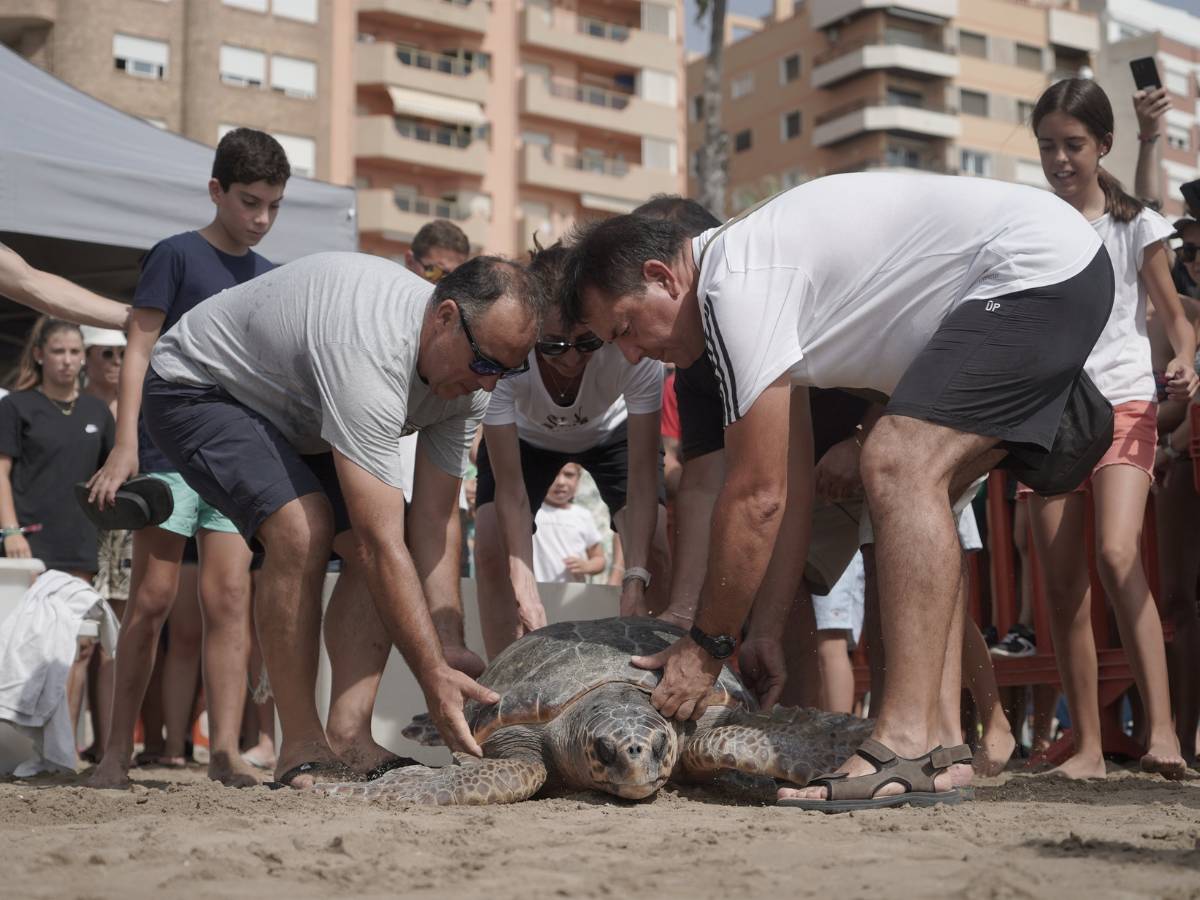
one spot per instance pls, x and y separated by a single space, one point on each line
914 775
944 757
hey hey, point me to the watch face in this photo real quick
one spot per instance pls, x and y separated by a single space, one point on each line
723 646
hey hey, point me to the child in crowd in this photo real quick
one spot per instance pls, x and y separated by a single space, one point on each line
566 545
1073 122
249 173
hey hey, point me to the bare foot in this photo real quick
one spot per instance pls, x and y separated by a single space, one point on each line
856 765
314 755
961 775
108 776
1164 759
260 758
1079 767
994 752
232 773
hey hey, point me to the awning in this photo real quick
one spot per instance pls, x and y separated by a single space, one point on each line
406 101
606 204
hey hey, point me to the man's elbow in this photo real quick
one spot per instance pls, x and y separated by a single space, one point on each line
762 505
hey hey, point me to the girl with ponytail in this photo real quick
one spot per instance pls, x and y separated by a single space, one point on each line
1073 122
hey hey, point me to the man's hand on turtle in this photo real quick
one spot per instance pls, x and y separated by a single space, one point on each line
688 676
763 669
446 691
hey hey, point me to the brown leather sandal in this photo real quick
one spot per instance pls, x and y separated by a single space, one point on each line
846 793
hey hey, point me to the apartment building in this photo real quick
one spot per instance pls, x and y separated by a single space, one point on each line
203 67
831 86
1135 28
513 118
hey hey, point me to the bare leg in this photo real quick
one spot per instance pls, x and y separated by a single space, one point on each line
262 754
100 690
1058 535
803 687
950 705
997 743
872 629
837 675
153 584
910 468
225 606
77 682
181 667
497 605
658 595
1120 493
298 538
358 647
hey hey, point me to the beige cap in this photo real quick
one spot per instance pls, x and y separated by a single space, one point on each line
102 337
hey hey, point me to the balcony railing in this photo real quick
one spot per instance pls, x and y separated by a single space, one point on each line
878 40
430 206
433 134
445 63
603 165
865 102
598 28
586 93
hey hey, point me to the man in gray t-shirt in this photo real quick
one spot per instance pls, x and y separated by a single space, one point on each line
282 402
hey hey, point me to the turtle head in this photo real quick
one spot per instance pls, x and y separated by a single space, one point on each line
615 741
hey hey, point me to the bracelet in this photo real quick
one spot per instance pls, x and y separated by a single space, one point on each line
9 532
637 572
1148 138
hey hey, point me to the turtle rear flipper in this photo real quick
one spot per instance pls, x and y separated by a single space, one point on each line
788 744
477 783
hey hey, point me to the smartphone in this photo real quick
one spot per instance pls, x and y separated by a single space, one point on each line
1145 73
1191 196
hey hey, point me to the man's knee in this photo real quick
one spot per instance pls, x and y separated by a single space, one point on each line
299 536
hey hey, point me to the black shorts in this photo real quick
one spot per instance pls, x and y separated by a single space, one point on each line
232 456
1009 368
608 465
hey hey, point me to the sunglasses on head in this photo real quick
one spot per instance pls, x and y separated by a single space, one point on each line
557 346
1187 252
432 272
482 364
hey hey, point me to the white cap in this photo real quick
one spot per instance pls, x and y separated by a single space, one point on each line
102 337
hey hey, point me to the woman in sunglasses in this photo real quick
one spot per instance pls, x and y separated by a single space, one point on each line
581 401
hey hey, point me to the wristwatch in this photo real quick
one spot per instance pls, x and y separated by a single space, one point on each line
720 646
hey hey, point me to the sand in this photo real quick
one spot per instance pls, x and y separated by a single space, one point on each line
174 834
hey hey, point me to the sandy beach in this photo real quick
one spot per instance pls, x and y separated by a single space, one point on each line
174 834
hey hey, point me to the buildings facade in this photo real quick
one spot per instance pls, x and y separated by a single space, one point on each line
202 67
513 119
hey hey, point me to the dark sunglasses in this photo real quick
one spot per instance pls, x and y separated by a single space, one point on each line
557 346
432 272
1187 252
482 364
111 353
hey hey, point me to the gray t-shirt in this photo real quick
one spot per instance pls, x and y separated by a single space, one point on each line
326 349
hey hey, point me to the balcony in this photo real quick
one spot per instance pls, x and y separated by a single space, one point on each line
431 15
603 178
398 217
443 149
435 73
863 116
1073 30
562 31
594 107
823 13
840 63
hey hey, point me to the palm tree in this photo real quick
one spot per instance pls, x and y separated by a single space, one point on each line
712 159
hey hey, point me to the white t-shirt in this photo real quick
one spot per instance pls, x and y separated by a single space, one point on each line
611 389
561 532
843 280
1120 365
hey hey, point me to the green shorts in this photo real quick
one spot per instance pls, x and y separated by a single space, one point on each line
190 513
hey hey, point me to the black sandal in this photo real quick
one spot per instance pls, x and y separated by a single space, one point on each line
335 770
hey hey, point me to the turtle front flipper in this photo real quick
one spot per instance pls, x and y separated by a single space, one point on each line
788 744
476 783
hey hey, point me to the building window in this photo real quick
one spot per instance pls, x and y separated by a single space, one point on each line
1029 57
301 10
694 164
1179 137
741 86
242 67
1024 112
142 57
789 125
294 77
252 5
789 68
696 108
743 140
973 103
900 97
301 153
972 44
1175 82
975 163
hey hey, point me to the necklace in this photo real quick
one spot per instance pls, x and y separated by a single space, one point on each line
566 395
66 407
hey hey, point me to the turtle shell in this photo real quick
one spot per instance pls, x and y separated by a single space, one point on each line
541 674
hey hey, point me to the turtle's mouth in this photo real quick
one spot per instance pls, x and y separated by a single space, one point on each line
629 791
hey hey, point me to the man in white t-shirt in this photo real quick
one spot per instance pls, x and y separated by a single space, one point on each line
972 304
567 544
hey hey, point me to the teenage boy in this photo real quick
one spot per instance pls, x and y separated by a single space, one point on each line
249 173
438 248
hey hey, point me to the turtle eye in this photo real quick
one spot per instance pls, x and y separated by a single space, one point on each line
606 751
659 746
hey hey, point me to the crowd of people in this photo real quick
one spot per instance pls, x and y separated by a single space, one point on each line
788 439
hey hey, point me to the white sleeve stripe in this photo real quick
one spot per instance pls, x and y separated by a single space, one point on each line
718 354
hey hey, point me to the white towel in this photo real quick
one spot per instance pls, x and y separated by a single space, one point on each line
38 643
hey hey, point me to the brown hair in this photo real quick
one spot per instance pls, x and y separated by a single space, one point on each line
245 156
440 233
1084 100
29 372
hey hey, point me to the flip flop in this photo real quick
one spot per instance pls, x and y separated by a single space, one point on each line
851 793
335 770
140 502
396 762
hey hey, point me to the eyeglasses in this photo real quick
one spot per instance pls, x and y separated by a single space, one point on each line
432 272
557 346
1187 252
110 353
483 364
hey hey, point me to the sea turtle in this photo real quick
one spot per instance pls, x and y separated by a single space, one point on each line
574 714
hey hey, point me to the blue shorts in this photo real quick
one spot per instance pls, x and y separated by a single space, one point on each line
234 458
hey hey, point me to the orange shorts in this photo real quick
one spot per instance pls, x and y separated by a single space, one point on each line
1135 437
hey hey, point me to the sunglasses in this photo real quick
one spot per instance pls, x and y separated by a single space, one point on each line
557 346
482 364
110 353
1187 252
432 272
